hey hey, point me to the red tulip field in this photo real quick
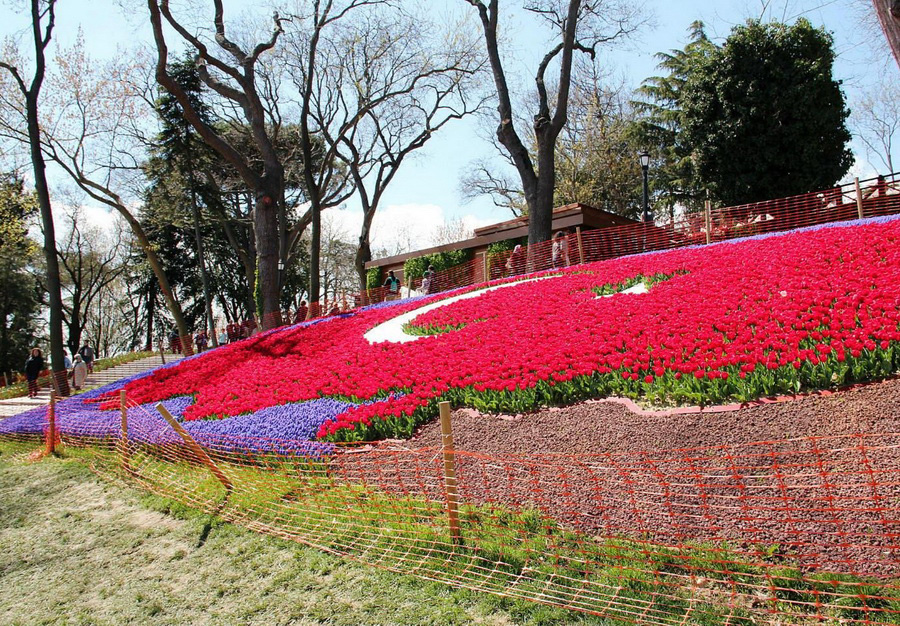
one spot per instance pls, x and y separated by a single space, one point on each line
704 435
734 322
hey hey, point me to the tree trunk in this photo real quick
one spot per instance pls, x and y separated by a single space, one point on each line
315 250
151 309
266 230
540 209
364 251
156 266
889 15
53 282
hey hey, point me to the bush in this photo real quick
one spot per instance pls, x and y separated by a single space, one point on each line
415 268
373 278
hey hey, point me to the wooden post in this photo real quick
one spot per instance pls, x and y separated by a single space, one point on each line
162 350
123 440
54 384
198 452
859 199
580 245
5 380
51 424
707 210
450 473
485 271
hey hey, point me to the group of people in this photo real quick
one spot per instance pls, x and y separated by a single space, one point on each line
239 330
392 284
77 369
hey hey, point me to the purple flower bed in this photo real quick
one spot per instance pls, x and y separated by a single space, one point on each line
288 429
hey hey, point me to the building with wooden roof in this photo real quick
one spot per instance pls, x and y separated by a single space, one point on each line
565 218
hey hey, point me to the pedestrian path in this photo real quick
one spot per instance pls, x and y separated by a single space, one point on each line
14 406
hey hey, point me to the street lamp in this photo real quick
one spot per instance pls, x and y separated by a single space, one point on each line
645 166
280 266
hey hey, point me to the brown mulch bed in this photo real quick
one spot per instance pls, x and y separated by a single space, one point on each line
601 427
813 481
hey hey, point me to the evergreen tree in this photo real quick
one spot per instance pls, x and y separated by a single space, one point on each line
180 154
762 117
659 128
19 302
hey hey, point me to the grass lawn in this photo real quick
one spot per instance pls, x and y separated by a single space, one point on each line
78 550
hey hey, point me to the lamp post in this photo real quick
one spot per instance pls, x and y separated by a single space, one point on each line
645 166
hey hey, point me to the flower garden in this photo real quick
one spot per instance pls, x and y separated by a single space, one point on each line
774 314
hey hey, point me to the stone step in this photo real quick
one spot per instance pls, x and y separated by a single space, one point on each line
14 406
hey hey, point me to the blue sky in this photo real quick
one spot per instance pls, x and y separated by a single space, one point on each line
427 188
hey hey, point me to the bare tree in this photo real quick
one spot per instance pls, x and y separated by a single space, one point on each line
484 180
90 262
394 85
581 26
87 129
235 81
43 18
326 185
876 121
338 252
451 231
595 155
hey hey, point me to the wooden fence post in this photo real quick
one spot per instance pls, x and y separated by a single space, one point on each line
198 452
707 211
450 473
485 270
123 407
51 424
580 245
859 199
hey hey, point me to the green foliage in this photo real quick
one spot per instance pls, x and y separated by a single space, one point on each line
19 297
415 268
500 247
373 278
424 331
596 162
650 281
659 124
762 117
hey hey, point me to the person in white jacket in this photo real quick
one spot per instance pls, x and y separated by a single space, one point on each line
79 372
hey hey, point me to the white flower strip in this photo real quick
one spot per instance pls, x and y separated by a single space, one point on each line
392 330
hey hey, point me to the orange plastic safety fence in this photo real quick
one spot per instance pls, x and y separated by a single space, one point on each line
795 531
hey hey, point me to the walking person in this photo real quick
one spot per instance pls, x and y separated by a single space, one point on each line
79 373
174 342
200 341
392 284
87 355
428 280
560 250
33 368
515 264
302 312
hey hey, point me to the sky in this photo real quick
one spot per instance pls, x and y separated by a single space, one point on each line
426 190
